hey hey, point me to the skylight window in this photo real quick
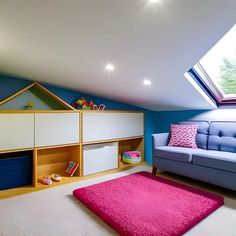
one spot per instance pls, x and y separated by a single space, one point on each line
216 71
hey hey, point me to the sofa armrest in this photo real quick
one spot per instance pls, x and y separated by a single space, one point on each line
160 139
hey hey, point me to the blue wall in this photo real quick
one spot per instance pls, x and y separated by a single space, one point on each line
9 86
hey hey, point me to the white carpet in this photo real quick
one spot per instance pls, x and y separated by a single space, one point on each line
54 212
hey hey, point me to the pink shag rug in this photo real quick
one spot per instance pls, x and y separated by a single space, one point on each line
142 204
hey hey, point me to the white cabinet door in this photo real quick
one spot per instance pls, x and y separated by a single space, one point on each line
111 125
56 129
100 157
16 131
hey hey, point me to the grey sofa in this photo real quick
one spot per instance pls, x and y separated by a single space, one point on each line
214 161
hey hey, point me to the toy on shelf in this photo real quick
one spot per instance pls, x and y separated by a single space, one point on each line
131 157
101 107
45 180
56 178
82 104
29 105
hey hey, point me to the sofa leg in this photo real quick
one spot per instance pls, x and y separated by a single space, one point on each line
154 170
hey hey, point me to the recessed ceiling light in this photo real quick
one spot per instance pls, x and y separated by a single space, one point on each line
147 82
153 1
109 67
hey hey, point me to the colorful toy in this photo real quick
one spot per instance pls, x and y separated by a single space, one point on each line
95 107
72 168
84 105
45 180
131 157
29 105
101 107
56 178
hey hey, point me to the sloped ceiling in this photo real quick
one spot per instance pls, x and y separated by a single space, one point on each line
68 42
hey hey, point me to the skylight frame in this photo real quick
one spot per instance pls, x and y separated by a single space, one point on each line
211 87
207 71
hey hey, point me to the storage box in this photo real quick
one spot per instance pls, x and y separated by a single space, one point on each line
100 157
131 157
15 171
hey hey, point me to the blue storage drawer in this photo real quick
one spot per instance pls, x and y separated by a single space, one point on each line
15 171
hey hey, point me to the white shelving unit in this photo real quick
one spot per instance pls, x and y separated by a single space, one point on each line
105 135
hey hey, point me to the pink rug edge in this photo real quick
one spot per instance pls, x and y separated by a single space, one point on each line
207 213
219 200
183 186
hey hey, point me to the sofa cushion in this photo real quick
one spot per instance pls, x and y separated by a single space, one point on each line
174 153
216 159
183 136
222 136
202 132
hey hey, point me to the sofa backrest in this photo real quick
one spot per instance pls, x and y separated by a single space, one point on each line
222 136
202 132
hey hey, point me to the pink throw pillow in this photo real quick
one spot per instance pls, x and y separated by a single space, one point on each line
183 136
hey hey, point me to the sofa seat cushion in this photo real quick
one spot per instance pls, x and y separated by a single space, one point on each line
216 159
174 153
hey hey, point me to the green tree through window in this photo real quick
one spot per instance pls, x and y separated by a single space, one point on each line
227 76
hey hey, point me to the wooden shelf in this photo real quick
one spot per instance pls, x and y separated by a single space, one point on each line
57 146
56 160
16 150
112 140
126 165
65 180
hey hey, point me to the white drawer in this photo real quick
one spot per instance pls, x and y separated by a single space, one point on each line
100 157
16 131
56 129
99 126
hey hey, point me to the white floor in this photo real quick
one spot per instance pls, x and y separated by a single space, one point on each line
55 212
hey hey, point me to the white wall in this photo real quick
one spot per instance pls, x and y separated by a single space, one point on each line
221 114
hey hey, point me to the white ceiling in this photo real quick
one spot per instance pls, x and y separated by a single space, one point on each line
68 42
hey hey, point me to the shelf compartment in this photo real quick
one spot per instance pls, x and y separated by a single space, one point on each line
16 169
136 144
56 160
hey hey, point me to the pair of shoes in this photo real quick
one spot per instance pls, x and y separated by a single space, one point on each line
48 180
